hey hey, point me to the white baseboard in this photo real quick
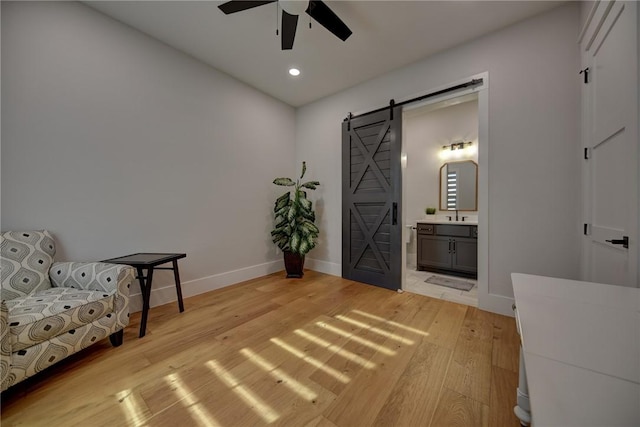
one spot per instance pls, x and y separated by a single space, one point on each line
166 294
321 266
496 304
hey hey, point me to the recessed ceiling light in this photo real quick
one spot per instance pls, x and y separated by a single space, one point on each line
294 72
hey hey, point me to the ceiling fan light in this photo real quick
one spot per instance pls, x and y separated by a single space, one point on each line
294 7
294 72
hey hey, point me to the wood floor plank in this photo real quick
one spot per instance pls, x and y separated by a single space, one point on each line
350 408
457 410
318 351
364 337
236 360
503 397
413 400
506 343
320 422
470 369
446 326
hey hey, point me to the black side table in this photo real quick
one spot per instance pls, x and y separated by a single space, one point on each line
150 261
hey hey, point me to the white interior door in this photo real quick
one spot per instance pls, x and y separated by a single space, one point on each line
610 136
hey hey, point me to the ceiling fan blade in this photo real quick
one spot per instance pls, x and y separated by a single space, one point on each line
289 25
319 11
234 6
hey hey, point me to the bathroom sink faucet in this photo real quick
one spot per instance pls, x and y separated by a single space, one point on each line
456 214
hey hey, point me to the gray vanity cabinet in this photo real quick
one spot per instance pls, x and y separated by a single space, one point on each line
448 248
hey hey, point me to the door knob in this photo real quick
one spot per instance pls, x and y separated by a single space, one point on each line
624 242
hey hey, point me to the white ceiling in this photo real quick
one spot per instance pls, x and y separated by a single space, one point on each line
386 35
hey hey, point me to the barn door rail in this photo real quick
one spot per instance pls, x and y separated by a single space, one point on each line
392 103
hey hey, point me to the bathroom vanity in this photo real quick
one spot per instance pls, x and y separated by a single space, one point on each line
448 247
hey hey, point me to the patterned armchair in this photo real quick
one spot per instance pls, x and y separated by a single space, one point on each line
52 310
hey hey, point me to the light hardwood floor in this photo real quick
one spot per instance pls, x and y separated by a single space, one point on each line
320 351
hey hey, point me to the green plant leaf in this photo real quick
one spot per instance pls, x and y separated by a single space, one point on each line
306 204
282 242
304 247
283 222
292 212
308 215
311 185
287 182
304 169
310 227
282 201
295 242
311 241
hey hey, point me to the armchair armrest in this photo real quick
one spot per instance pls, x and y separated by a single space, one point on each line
5 345
97 276
90 276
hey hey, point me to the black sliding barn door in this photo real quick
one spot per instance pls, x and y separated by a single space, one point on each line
371 199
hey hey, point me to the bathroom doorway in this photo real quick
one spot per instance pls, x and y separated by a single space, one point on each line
440 198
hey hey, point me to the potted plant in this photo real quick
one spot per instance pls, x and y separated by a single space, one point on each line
430 211
295 232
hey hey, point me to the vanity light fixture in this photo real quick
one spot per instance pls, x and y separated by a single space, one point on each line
457 146
294 72
457 149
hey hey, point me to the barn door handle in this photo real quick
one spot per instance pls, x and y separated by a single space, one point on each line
394 214
624 242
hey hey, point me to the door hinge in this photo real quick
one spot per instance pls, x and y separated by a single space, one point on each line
585 230
585 71
586 153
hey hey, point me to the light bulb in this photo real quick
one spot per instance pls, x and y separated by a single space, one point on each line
294 72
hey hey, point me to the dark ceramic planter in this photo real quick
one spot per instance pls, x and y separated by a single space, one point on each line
294 264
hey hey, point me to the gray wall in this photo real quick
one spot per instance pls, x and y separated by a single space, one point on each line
534 169
118 143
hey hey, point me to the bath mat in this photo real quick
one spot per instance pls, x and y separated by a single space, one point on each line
450 283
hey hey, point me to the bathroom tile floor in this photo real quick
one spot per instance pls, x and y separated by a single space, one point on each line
416 283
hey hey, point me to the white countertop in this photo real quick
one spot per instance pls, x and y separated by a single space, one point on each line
581 345
470 221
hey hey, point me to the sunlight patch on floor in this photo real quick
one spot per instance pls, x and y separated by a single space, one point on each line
261 408
374 329
382 349
199 414
131 407
310 360
288 381
391 322
336 349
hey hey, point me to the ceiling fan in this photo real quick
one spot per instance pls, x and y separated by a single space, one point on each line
317 9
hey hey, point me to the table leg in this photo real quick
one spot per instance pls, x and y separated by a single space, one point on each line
176 275
146 297
523 408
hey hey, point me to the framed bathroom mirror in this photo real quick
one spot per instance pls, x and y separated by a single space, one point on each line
459 186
